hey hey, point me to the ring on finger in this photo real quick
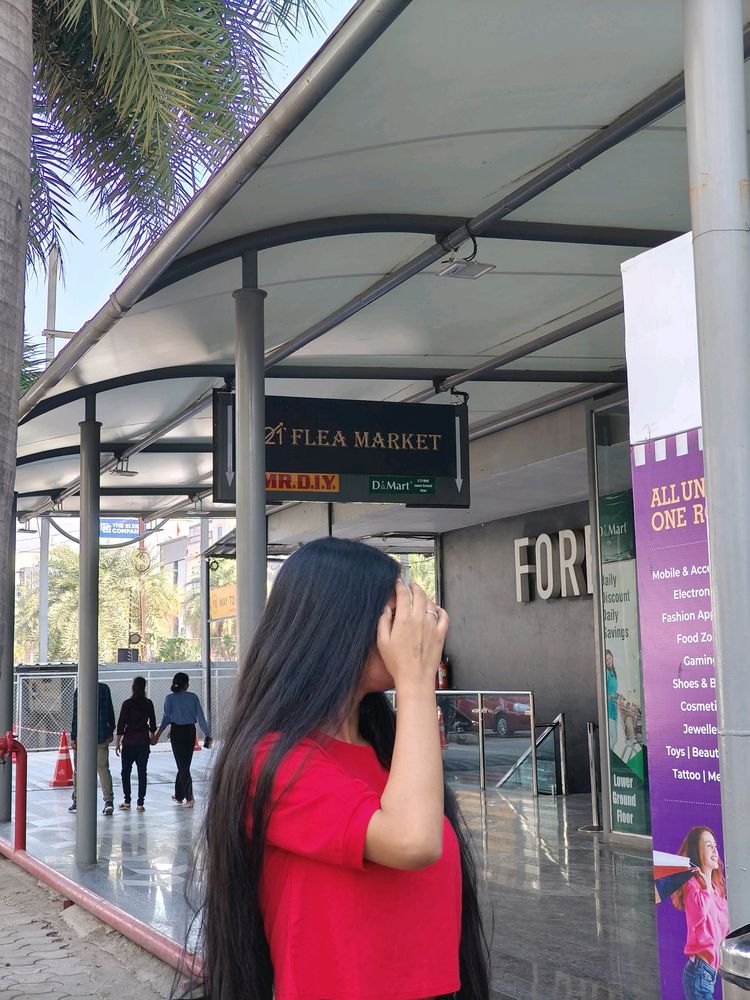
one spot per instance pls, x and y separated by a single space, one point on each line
429 611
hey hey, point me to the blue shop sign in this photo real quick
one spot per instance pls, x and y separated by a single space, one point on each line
120 529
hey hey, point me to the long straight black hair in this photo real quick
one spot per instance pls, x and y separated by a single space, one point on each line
303 669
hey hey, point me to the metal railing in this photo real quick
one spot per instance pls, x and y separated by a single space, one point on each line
44 698
551 741
487 740
12 752
592 733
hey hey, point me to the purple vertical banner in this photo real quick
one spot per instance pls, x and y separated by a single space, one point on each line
674 596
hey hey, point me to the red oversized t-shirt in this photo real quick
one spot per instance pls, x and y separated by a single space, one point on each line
339 927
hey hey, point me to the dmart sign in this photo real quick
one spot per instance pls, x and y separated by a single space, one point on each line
338 450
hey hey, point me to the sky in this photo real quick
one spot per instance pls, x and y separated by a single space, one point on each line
92 271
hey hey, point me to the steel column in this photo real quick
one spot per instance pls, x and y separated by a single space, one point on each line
720 214
88 640
482 748
205 604
6 665
532 723
43 590
250 410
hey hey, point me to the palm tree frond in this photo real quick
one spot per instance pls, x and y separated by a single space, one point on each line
143 95
32 364
50 212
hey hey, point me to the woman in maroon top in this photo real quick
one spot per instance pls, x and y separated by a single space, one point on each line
335 863
135 726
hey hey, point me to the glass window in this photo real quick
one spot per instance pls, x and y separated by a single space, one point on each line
623 681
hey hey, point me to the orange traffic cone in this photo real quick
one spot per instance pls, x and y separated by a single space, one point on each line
63 776
441 727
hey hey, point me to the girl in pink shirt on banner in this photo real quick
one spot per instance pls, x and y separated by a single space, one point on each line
335 861
704 901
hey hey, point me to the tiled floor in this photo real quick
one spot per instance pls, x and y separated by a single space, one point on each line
572 918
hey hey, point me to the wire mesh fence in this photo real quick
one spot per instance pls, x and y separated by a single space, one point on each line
43 702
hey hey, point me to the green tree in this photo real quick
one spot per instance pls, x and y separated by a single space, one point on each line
133 103
422 571
120 583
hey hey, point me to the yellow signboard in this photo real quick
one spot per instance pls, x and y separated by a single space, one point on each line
224 601
302 482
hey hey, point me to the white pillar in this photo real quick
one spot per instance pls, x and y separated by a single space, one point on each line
720 213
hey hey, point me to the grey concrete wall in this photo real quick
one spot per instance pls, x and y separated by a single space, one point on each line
496 643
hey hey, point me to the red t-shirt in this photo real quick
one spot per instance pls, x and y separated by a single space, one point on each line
339 927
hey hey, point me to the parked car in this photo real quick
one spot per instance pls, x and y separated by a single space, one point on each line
502 715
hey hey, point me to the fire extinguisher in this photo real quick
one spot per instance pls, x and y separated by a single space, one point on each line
443 675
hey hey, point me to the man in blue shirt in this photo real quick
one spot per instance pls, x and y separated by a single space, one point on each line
104 735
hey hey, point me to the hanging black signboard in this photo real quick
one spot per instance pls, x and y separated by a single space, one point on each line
342 450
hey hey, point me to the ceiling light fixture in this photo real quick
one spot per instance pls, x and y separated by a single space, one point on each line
123 468
464 267
457 268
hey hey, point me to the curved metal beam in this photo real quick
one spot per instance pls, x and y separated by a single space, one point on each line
438 226
654 106
120 381
158 447
331 372
515 353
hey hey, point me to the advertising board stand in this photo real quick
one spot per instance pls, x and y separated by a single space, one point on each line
674 597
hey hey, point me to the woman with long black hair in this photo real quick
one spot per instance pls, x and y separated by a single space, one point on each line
182 713
135 728
335 863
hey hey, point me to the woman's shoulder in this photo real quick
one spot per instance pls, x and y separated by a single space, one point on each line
695 889
305 750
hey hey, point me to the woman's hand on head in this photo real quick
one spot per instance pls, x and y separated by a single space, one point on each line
410 637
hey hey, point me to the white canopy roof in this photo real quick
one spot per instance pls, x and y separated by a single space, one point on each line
413 119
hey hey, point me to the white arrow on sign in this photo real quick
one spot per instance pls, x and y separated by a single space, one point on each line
230 444
459 469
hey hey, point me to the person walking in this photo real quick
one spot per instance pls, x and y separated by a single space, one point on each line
135 727
182 711
334 861
105 727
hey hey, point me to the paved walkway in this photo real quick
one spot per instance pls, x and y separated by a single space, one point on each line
55 954
143 858
573 919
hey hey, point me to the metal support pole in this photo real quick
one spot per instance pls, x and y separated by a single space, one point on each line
532 723
562 743
250 409
6 664
482 759
52 264
596 825
205 603
44 526
44 589
720 213
88 639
